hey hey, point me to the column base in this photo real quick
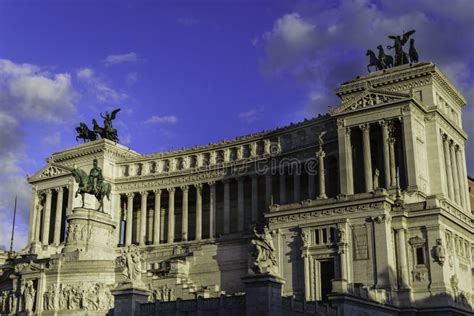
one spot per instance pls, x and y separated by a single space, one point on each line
339 286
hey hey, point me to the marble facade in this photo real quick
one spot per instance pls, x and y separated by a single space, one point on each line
380 212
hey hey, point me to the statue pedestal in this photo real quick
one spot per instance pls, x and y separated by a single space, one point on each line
263 294
128 298
90 234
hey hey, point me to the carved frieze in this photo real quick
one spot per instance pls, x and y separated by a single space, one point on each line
82 296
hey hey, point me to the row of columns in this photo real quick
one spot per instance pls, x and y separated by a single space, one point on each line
42 206
346 161
455 176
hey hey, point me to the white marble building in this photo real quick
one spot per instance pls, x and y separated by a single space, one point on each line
378 213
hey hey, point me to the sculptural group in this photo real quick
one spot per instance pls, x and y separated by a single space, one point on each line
384 61
106 132
87 296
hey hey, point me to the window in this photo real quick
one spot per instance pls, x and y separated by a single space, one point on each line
420 256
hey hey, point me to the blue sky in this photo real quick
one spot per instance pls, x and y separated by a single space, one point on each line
193 72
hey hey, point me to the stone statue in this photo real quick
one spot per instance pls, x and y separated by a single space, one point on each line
321 140
93 183
439 253
376 178
398 42
29 294
412 53
12 301
386 61
130 260
265 260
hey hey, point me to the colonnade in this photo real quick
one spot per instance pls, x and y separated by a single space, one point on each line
455 172
346 166
42 209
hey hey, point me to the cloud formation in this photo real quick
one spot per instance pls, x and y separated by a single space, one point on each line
121 58
249 116
167 119
96 86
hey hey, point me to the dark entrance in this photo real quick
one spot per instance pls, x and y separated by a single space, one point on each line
327 274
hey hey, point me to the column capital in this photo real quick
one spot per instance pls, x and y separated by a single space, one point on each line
130 194
348 131
452 143
340 123
383 122
184 188
457 148
157 191
49 191
211 183
365 127
144 193
198 186
225 181
320 154
171 190
58 189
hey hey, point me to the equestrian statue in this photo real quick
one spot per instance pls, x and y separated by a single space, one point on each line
92 183
106 132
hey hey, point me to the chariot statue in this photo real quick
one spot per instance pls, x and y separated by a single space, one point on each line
106 132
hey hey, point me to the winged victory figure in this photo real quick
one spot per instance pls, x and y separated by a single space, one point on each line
398 42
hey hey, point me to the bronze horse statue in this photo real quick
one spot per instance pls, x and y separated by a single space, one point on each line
386 61
85 133
374 61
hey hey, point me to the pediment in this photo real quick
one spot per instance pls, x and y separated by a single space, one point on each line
48 172
371 97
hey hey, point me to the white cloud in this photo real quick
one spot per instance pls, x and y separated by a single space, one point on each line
167 119
33 93
95 85
53 139
121 58
249 116
132 77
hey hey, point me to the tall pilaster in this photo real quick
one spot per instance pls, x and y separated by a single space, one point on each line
58 217
198 211
226 206
212 209
367 157
402 258
33 215
460 167
345 158
240 204
322 182
185 209
386 153
282 184
393 165
47 217
449 170
171 192
128 229
454 172
254 198
157 217
143 208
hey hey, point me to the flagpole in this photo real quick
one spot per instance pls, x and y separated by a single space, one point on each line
13 228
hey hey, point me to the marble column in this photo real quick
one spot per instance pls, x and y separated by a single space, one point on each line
240 204
297 184
268 188
322 181
367 157
462 188
454 164
39 207
128 229
449 170
282 184
386 153
212 209
185 209
171 192
345 158
143 208
157 218
33 216
59 215
47 217
254 198
393 166
226 206
402 258
198 211
310 184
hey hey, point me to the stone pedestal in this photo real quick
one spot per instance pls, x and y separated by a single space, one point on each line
263 294
91 234
339 286
128 299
